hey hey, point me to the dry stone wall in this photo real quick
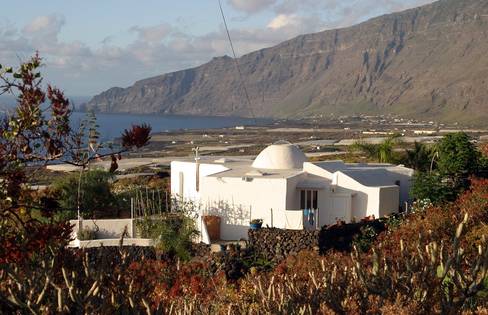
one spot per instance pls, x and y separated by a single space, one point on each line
276 244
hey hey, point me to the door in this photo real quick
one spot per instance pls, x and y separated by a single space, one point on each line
309 205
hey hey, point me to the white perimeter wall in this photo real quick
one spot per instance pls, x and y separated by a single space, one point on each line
107 228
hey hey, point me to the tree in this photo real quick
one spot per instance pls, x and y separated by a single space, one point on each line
28 137
458 156
86 147
418 158
96 196
36 133
458 159
382 152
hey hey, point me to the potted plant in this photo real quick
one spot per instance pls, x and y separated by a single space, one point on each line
256 224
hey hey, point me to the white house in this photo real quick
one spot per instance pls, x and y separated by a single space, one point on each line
286 191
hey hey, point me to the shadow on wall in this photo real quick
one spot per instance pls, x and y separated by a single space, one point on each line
106 229
234 219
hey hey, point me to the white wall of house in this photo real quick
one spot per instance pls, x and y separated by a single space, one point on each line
332 206
367 201
404 177
238 201
184 179
274 199
292 193
389 201
313 169
339 208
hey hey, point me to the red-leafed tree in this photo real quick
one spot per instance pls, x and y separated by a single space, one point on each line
137 136
34 134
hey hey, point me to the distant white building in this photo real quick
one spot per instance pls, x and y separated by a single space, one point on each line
286 191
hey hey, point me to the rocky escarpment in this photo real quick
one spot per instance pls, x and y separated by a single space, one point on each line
429 61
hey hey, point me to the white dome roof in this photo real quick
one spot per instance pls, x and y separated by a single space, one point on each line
280 156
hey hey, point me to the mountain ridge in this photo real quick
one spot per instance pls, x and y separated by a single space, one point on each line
428 61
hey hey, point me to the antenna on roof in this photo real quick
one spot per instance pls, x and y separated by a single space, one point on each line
237 62
197 153
197 168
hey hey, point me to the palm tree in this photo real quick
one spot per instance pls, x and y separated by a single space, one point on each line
382 152
419 158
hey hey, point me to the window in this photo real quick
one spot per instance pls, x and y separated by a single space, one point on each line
309 199
314 199
302 199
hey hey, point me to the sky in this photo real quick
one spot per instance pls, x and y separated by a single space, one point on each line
91 45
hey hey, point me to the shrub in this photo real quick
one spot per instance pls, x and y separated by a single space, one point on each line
173 234
365 239
86 234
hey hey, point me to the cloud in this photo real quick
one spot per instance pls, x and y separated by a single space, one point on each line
284 20
251 6
296 6
46 25
153 34
87 69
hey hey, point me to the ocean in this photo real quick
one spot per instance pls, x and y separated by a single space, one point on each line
112 125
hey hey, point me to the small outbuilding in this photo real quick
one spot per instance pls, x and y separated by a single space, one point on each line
286 191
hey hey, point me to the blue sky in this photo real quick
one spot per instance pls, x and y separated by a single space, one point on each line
92 45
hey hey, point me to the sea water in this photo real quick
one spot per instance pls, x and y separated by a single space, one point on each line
112 125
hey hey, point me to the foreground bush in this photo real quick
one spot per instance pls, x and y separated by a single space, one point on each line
435 262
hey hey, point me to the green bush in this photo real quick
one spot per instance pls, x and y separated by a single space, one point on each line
456 160
457 155
433 186
96 197
172 234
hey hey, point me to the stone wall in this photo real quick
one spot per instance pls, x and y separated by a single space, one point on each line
200 250
275 244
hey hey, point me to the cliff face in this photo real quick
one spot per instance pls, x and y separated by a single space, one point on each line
428 62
